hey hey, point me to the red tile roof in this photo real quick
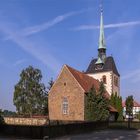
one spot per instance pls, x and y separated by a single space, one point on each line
86 81
136 104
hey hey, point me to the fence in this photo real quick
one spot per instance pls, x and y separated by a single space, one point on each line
51 131
124 125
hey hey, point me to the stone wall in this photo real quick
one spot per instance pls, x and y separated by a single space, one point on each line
26 121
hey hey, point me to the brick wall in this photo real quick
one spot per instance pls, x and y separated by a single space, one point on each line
66 86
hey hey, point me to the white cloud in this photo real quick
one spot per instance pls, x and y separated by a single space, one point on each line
118 25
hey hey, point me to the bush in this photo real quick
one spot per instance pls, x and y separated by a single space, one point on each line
2 120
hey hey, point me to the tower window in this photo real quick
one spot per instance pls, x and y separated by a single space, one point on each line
115 81
104 79
65 106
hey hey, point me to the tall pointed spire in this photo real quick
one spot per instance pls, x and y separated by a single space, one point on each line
101 48
101 37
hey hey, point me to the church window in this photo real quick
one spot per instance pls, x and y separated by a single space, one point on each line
104 79
65 106
115 81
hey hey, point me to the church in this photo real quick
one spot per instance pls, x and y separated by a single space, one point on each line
103 68
67 96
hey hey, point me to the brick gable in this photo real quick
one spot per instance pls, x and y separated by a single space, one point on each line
66 86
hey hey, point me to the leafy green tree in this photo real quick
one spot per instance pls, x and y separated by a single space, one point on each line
30 94
91 95
129 105
129 108
1 117
50 84
97 104
138 115
113 100
120 109
102 104
116 102
7 113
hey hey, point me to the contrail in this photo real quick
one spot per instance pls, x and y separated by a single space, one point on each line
118 25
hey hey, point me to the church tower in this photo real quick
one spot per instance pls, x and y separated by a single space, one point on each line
103 68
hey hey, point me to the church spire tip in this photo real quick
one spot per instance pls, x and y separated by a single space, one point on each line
102 46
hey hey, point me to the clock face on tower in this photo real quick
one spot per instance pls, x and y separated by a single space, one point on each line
99 67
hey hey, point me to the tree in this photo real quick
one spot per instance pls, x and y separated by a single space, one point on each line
97 104
1 117
138 115
7 113
102 104
129 108
30 95
91 96
116 102
120 109
50 84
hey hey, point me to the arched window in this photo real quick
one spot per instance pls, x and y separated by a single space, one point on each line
104 79
65 106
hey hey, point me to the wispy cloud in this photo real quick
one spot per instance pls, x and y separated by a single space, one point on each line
127 38
46 25
117 25
19 62
39 53
133 76
49 24
32 47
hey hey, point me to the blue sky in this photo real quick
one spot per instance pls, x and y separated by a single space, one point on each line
49 33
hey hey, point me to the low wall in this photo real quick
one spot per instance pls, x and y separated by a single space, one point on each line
38 132
124 125
26 121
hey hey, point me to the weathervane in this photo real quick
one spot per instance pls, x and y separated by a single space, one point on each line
101 6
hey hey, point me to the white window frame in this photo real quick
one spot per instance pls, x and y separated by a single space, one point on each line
65 106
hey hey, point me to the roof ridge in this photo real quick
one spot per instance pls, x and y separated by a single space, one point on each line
80 72
85 81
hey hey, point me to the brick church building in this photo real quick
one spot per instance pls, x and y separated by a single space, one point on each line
67 95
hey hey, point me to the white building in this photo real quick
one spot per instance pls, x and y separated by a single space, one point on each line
136 109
